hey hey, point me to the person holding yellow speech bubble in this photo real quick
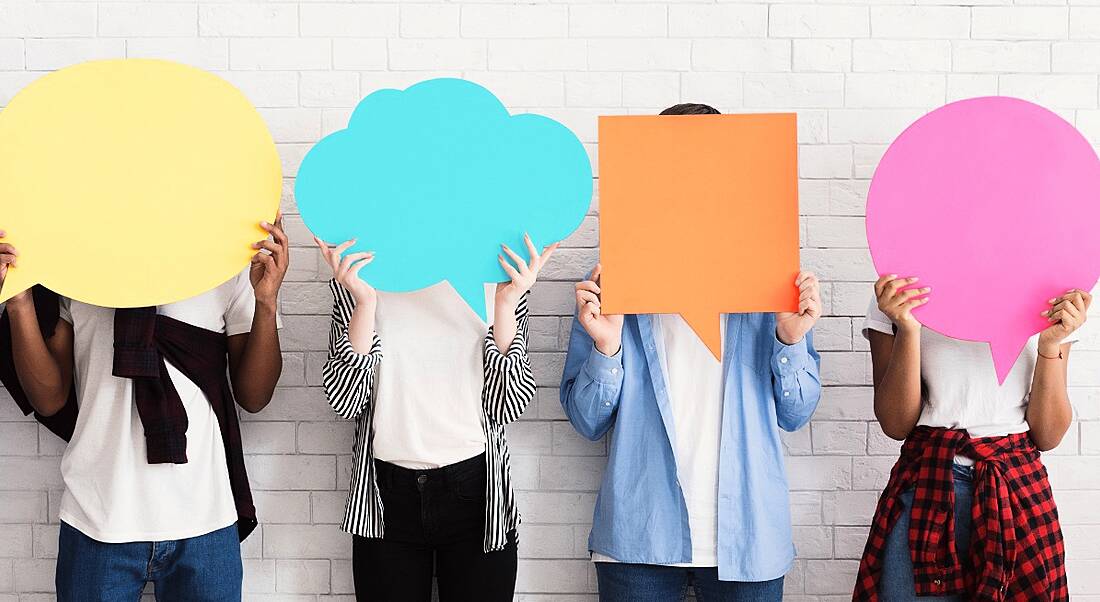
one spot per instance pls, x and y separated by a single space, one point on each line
133 346
155 485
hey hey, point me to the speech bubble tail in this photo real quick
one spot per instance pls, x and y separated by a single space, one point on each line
1005 354
708 326
474 296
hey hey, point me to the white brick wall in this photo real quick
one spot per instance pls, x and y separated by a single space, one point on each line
857 71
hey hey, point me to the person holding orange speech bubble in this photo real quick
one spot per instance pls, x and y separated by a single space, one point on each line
155 482
695 488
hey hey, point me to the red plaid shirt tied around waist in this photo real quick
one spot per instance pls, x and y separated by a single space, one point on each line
1016 550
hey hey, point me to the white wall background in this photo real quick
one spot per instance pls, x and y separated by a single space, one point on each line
857 72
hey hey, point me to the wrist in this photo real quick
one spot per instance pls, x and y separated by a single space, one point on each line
1050 349
609 347
909 327
788 338
266 306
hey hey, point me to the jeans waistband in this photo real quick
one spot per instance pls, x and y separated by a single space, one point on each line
394 475
962 472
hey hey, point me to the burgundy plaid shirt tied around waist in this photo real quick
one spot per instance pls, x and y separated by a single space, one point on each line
144 343
1016 550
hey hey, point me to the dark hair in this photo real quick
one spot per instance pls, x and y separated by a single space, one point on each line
690 108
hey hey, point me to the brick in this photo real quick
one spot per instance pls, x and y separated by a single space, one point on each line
818 20
513 21
147 19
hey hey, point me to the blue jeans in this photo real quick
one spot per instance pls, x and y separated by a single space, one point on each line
206 568
897 567
623 582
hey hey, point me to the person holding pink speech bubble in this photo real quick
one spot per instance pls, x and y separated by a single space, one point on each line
430 452
968 513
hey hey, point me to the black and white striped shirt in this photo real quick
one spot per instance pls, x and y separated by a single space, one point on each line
349 379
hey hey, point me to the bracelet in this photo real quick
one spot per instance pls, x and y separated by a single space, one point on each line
1058 357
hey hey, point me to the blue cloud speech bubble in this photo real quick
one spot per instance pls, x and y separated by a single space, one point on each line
435 177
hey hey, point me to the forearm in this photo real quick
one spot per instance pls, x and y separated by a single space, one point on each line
1049 412
505 325
261 361
897 393
39 373
361 327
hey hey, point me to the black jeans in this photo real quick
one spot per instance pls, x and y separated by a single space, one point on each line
435 520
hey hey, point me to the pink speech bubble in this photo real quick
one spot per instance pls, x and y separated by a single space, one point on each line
993 202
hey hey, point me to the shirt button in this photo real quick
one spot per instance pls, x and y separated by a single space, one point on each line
607 403
938 582
786 393
614 370
782 360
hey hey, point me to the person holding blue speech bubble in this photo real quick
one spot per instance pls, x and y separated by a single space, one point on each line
695 488
424 185
431 487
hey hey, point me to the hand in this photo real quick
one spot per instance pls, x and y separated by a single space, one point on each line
345 269
7 260
268 269
791 326
523 274
1066 314
606 330
898 304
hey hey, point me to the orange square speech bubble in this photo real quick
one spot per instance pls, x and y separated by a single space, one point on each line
699 216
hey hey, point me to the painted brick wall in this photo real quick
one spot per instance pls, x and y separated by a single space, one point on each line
857 72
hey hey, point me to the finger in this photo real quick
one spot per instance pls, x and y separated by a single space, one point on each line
913 292
587 297
595 275
803 277
1076 299
508 269
276 231
267 245
7 259
897 284
532 252
358 265
912 303
7 249
587 285
809 293
3 233
1055 316
344 246
351 258
592 309
520 263
880 284
547 252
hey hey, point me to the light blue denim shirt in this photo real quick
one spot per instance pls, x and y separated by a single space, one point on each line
640 513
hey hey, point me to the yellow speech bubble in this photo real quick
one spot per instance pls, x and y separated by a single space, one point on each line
133 182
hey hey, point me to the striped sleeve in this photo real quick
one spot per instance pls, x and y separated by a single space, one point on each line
348 376
509 383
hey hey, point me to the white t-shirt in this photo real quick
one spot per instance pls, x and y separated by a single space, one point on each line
112 493
959 386
693 378
428 389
